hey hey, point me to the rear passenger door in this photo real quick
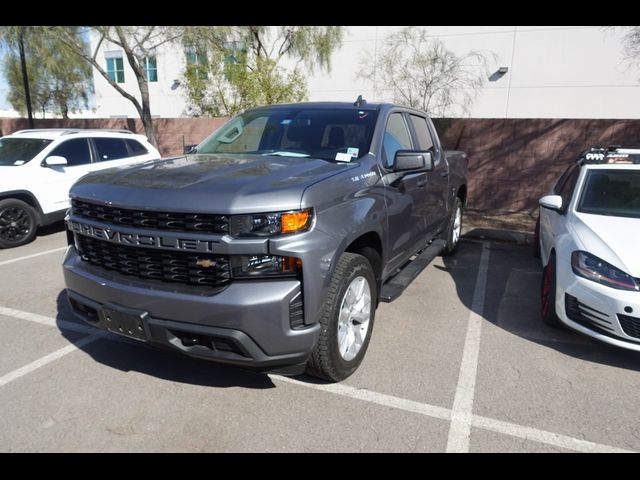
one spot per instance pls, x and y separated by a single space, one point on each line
117 152
437 180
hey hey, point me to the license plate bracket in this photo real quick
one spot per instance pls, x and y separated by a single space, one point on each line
129 323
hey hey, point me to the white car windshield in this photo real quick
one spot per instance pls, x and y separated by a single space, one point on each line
18 151
611 192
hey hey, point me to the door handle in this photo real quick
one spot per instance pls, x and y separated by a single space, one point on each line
444 174
421 183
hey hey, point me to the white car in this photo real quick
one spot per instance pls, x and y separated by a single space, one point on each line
589 246
38 167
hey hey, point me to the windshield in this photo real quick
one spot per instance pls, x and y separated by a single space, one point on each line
18 151
330 134
611 192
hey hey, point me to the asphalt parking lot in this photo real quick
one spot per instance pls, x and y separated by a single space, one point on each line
460 363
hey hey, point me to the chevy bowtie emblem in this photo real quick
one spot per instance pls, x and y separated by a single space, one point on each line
205 263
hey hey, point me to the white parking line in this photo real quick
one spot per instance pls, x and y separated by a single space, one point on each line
460 429
27 257
48 321
374 397
432 411
543 436
52 357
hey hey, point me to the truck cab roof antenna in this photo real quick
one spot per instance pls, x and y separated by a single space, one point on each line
360 101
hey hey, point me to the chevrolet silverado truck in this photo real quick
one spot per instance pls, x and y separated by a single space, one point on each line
271 243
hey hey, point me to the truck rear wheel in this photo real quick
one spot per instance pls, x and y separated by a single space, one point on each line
347 320
18 223
455 228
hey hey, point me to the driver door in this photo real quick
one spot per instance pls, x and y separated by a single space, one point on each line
405 195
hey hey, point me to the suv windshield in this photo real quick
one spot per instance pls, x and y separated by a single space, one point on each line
330 134
18 151
611 192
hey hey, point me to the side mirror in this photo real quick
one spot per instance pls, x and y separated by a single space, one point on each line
552 202
55 161
406 160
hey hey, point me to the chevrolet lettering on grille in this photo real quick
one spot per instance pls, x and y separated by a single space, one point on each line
166 242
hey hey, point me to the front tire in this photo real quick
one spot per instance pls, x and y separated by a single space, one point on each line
18 223
347 320
548 294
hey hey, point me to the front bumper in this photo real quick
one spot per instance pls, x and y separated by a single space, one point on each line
606 314
247 323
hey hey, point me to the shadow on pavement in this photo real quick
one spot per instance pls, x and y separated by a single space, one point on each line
129 355
51 229
512 301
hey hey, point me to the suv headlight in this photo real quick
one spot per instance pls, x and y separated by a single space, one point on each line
267 224
597 270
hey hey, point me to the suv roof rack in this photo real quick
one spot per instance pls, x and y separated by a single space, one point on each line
69 131
609 155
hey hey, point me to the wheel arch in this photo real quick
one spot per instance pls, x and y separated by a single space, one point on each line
28 198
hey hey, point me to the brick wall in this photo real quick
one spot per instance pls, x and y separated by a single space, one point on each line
512 162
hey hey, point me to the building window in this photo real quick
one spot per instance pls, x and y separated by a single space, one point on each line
151 68
197 62
115 66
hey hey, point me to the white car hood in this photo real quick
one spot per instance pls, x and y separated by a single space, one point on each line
613 239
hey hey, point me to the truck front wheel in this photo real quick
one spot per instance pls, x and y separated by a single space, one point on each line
347 320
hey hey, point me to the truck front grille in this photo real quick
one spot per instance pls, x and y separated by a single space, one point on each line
183 222
148 263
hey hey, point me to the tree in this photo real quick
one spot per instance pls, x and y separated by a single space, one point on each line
47 76
424 74
138 44
235 68
631 40
13 38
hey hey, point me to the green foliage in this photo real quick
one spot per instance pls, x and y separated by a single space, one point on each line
244 65
230 88
59 81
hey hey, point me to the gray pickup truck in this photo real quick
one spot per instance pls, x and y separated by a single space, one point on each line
270 244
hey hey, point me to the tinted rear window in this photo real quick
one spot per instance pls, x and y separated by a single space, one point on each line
136 148
111 149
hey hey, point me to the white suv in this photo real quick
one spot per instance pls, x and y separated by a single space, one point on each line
38 167
589 231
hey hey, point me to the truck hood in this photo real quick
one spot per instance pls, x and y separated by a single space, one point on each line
209 183
614 239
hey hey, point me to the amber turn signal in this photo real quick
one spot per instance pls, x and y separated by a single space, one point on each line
295 221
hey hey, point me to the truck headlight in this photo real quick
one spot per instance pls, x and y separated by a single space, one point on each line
267 224
597 270
258 266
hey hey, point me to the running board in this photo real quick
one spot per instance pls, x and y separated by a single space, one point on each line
394 287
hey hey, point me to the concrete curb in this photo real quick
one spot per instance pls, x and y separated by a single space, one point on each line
519 238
